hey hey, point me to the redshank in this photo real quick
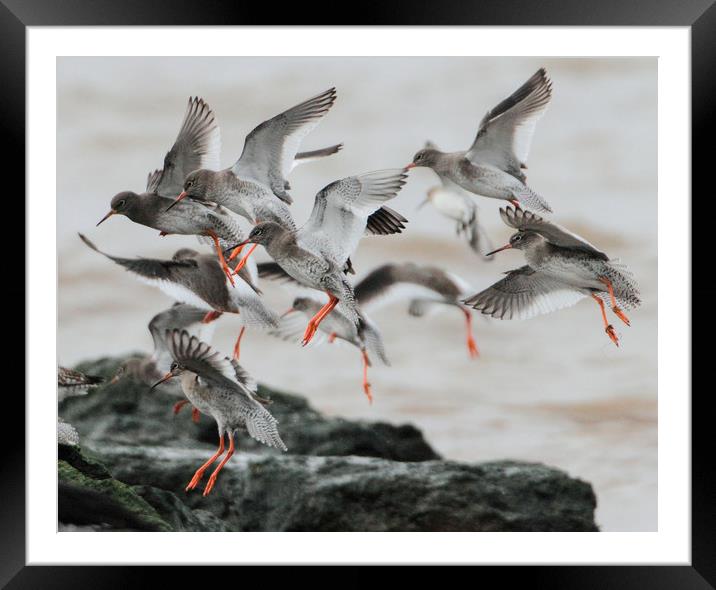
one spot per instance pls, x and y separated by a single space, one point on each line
197 279
221 389
456 204
196 146
71 383
494 165
255 186
148 369
316 254
424 286
562 268
366 336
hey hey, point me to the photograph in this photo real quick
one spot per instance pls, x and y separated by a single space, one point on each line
357 294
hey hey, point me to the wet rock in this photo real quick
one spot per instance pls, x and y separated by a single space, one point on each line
299 493
127 413
340 475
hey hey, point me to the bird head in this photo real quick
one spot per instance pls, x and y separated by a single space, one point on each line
522 240
122 204
197 186
427 157
174 371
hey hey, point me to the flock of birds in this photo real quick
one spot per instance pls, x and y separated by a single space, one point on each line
191 195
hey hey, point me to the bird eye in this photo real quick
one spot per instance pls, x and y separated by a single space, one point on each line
121 203
174 366
518 238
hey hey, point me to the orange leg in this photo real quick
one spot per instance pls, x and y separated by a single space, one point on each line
179 405
237 346
366 385
213 476
222 260
235 252
516 203
241 264
471 344
200 472
318 318
195 415
617 312
211 316
332 337
608 327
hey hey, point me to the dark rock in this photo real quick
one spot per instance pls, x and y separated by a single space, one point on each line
339 475
178 514
84 499
294 493
127 413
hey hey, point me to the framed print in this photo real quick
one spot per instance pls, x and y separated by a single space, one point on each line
361 294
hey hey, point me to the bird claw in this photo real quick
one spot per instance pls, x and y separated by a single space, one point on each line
209 485
472 348
611 332
308 334
367 391
621 315
194 481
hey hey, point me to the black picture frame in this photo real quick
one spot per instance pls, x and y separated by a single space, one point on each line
16 15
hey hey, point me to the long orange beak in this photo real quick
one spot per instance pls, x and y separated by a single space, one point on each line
106 217
182 196
162 380
411 165
499 250
241 264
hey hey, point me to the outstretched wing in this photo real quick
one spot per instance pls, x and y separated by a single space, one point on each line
226 375
553 233
524 293
385 221
148 268
341 210
407 281
74 379
506 131
271 148
198 357
198 145
179 316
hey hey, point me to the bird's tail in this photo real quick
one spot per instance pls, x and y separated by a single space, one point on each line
372 339
477 238
626 289
304 157
531 199
257 315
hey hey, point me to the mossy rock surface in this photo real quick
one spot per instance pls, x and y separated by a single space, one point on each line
102 493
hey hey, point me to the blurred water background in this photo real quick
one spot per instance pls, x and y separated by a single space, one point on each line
552 389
